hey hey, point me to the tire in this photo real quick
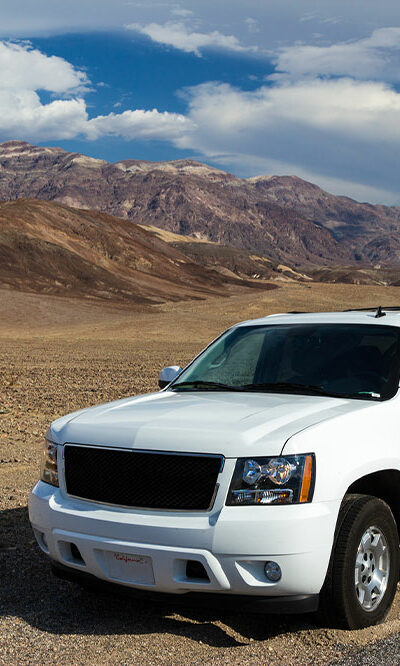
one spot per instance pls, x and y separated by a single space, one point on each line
364 569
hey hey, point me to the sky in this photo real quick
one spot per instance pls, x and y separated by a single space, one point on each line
289 87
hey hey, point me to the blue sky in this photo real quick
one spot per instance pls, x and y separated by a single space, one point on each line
305 87
137 74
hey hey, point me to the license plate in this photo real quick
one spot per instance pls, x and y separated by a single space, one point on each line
129 567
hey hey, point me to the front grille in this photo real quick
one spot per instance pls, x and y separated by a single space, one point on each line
142 479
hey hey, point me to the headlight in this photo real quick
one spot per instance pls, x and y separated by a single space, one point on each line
288 480
49 471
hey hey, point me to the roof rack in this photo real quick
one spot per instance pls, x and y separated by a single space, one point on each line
380 310
389 308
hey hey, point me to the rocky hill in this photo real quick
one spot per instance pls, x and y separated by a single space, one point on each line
282 217
49 248
372 230
184 196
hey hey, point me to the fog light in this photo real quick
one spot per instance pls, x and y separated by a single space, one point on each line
272 571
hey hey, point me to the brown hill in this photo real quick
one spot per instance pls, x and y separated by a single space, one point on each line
246 264
229 260
351 275
50 248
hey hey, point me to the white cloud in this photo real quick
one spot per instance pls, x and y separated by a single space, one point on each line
22 67
179 11
343 106
23 116
140 124
377 56
181 36
325 127
25 71
279 19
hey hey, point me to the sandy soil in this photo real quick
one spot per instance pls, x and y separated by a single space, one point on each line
57 355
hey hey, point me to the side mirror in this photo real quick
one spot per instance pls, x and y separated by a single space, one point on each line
167 375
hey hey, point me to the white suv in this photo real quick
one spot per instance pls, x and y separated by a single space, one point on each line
267 471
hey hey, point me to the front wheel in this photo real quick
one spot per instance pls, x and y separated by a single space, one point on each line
364 568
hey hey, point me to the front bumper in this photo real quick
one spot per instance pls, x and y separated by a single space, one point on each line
243 603
232 544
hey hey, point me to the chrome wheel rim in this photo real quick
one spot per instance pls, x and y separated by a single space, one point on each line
372 569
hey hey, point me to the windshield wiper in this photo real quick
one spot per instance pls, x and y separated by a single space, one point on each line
205 386
272 387
289 387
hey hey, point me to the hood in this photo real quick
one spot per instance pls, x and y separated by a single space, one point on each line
231 424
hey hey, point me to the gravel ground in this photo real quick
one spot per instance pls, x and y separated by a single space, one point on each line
47 621
384 653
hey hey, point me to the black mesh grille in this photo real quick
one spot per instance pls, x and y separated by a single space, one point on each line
141 479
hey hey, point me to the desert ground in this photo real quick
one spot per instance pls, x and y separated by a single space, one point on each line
59 354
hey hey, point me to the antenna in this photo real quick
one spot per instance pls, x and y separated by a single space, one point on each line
380 313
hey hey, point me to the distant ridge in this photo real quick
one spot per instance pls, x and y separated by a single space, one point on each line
282 217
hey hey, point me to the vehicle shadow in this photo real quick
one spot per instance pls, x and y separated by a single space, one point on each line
30 591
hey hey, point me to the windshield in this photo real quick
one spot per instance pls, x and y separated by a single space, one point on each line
350 360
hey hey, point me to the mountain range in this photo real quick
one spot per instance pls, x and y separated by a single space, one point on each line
283 218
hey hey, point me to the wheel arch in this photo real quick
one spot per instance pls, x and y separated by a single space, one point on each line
383 484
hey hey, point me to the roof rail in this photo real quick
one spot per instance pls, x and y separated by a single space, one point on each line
389 308
380 310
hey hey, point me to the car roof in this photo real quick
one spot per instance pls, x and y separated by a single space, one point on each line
386 317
